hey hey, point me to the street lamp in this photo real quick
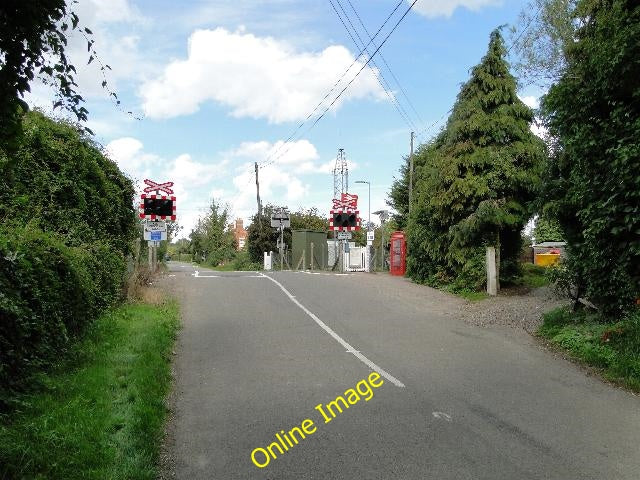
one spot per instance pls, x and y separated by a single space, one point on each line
383 214
369 184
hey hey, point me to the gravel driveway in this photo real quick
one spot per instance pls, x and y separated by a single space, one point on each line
519 311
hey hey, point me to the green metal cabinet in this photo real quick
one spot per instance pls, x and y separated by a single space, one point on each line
301 241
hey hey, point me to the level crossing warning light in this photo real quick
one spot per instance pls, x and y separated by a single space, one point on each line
345 220
158 207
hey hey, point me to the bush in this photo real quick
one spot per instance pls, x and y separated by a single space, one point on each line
49 292
613 347
242 261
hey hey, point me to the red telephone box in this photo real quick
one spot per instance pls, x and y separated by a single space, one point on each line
398 254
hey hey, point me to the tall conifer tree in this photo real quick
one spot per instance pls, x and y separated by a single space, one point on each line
477 185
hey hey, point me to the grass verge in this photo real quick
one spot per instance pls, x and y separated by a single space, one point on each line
533 276
612 347
100 414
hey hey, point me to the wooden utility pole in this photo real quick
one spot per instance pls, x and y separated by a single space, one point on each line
411 172
258 196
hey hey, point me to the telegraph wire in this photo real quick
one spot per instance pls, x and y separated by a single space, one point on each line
350 82
404 93
335 85
383 83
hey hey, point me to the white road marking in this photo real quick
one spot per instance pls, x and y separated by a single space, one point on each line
442 415
307 272
172 275
338 338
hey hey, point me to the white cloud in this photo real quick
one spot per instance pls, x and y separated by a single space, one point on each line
185 172
445 8
536 127
530 101
257 77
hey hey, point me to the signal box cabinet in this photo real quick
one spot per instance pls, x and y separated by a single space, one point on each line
398 254
301 244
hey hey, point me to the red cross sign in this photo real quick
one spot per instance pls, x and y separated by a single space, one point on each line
153 186
347 201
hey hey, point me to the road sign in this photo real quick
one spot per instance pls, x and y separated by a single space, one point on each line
160 226
278 245
153 186
371 235
153 243
155 235
345 235
280 219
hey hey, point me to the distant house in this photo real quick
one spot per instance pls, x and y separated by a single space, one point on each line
239 233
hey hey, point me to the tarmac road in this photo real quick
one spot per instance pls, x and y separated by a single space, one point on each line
258 352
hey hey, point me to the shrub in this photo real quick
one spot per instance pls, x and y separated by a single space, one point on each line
49 292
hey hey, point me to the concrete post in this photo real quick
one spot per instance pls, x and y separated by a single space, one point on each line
492 273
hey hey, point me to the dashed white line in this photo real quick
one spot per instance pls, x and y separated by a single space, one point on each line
338 338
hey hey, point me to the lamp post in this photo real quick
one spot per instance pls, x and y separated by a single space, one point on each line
368 256
383 214
369 184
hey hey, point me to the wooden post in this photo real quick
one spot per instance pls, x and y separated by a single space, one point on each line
312 257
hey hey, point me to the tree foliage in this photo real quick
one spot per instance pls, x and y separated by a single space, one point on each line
262 237
593 113
476 180
547 229
399 195
545 30
67 222
61 182
33 41
212 239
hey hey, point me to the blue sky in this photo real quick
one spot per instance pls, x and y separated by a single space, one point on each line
220 85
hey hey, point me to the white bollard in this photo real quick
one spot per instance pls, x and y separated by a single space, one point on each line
267 260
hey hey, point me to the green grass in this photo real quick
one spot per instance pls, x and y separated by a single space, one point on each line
613 347
100 414
471 295
533 276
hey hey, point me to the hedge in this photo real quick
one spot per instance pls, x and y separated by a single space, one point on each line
49 293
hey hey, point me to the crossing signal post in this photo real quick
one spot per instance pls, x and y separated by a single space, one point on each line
154 210
344 218
281 220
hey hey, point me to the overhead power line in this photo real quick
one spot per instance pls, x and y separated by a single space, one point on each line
335 85
404 93
350 81
382 81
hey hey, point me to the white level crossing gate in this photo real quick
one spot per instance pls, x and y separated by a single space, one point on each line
355 259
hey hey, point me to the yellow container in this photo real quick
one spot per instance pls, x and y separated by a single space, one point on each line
546 259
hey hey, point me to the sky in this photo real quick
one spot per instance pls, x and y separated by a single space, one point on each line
214 86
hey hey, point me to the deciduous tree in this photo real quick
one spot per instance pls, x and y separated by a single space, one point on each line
593 113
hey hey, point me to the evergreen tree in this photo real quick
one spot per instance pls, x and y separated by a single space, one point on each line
478 181
593 113
399 195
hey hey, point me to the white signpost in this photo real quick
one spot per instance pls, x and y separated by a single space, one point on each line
345 235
